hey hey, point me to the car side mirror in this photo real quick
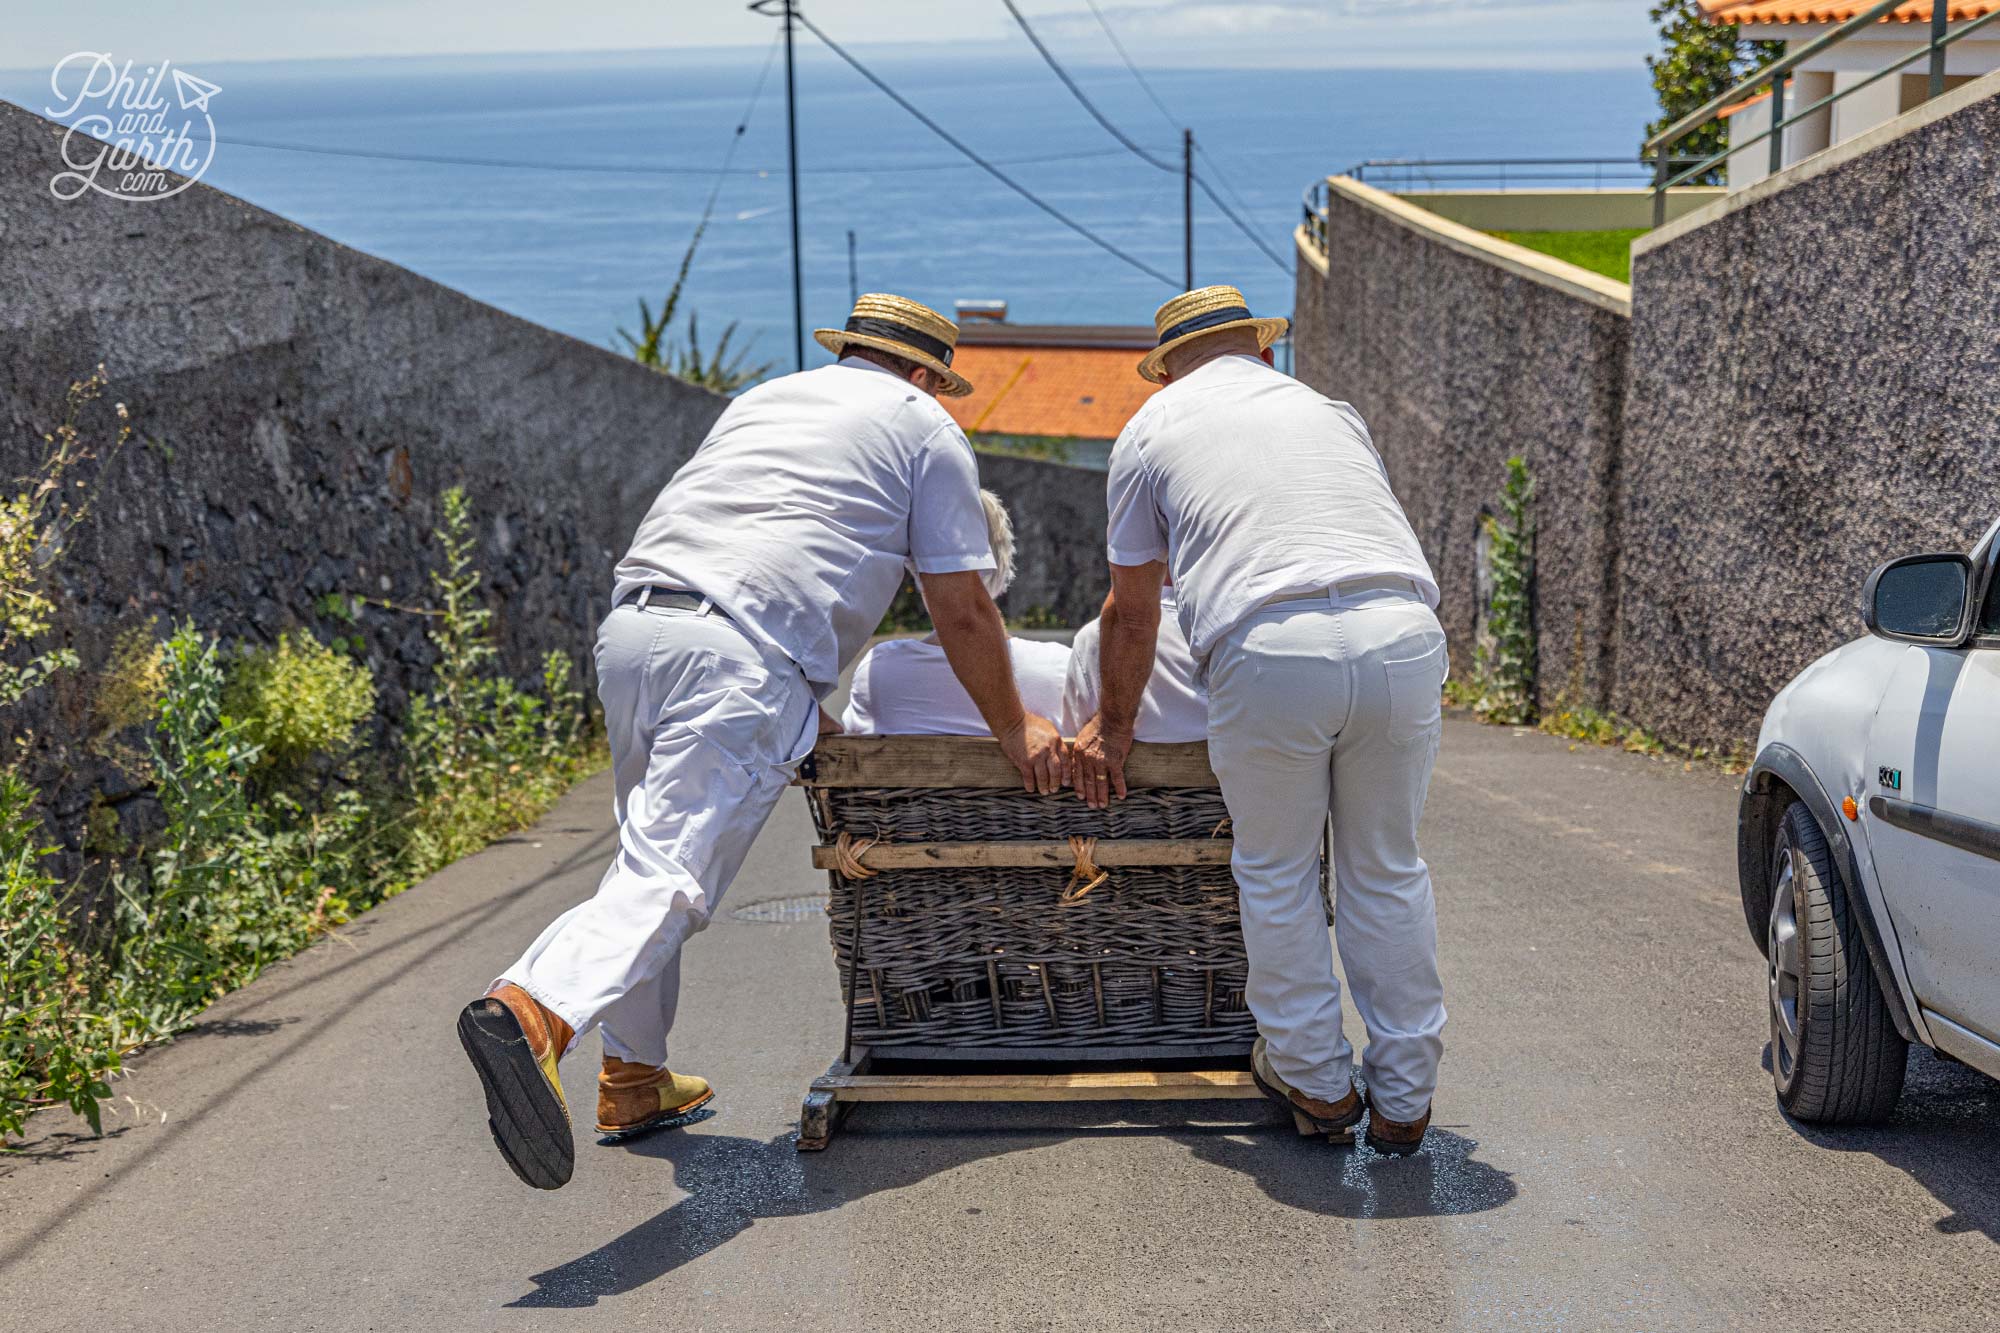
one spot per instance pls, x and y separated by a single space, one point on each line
1920 599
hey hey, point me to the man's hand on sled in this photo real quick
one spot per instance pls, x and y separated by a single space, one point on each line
1097 762
827 725
1037 749
974 639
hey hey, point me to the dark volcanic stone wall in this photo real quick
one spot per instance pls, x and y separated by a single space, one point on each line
300 407
1815 388
1060 514
1458 363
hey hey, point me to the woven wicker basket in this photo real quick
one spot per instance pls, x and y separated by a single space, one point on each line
961 895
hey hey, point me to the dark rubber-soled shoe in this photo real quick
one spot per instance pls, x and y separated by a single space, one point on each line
1310 1116
635 1099
1397 1138
514 1043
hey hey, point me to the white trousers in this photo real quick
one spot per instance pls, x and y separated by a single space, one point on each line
706 729
1332 703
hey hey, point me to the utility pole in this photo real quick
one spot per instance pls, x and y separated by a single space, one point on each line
1187 204
788 10
792 169
853 286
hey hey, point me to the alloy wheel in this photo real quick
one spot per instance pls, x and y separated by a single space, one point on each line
1786 966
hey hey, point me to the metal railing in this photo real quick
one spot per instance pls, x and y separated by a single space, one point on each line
1462 173
1659 147
1455 172
1315 224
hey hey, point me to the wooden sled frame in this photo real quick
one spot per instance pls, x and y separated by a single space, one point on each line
960 761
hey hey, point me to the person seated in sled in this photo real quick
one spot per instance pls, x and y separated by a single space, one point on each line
905 687
1175 704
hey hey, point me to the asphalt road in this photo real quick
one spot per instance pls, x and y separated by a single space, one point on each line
1608 1153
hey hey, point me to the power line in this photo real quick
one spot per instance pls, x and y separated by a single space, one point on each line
622 169
1119 46
984 165
1227 184
1241 225
1077 92
736 139
1220 175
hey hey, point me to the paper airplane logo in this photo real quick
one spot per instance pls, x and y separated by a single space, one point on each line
194 92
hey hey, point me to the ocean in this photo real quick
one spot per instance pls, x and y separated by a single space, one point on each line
612 158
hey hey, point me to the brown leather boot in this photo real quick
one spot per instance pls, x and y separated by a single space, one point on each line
634 1099
1397 1138
514 1041
1310 1115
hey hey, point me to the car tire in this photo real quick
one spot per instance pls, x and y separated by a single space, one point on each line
1836 1056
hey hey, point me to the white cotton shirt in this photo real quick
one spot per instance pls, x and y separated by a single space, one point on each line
905 687
798 513
1174 706
1253 486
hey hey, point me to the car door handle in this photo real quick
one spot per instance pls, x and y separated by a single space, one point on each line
1968 835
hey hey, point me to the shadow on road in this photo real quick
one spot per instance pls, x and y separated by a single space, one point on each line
731 1183
1945 1135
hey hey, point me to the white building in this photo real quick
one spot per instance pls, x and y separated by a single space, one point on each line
1903 34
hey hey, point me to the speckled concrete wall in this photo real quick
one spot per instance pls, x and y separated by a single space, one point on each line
1457 364
1815 388
300 407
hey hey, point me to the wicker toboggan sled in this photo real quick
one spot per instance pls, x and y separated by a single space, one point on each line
973 921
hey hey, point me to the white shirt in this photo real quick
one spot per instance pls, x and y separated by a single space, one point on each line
1252 486
797 514
1174 706
905 687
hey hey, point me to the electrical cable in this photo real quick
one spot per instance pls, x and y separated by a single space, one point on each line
1119 47
613 168
984 165
1241 226
1075 91
742 124
1123 55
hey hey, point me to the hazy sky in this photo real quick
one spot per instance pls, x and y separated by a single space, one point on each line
1563 34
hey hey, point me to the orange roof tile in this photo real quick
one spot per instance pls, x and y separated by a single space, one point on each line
1834 11
1033 388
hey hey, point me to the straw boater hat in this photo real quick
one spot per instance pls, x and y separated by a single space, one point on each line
1202 311
902 328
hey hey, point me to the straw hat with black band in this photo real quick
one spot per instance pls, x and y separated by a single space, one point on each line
901 328
1200 312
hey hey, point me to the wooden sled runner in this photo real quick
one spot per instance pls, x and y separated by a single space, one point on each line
975 925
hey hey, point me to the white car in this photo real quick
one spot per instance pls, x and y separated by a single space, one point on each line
1868 843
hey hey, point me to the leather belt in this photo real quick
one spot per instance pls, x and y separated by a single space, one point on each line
1346 588
672 599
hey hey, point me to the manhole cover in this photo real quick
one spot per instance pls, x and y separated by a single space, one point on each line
782 911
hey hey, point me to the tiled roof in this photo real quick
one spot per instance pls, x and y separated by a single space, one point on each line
1834 11
1025 382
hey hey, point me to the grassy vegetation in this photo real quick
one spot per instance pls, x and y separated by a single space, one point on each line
278 824
1605 252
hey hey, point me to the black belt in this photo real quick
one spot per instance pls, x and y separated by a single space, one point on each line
672 599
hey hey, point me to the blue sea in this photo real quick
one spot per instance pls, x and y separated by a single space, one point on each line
612 157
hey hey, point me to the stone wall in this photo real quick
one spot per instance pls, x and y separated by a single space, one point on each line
1060 514
299 409
1807 383
1815 388
1460 351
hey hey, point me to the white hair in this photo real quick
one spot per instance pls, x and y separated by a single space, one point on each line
1000 536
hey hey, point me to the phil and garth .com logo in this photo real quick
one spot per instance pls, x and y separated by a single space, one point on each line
144 135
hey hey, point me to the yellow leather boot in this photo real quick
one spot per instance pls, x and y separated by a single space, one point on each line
635 1099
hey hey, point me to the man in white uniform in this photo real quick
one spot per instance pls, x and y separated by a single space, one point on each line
1175 704
758 575
1308 603
905 687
